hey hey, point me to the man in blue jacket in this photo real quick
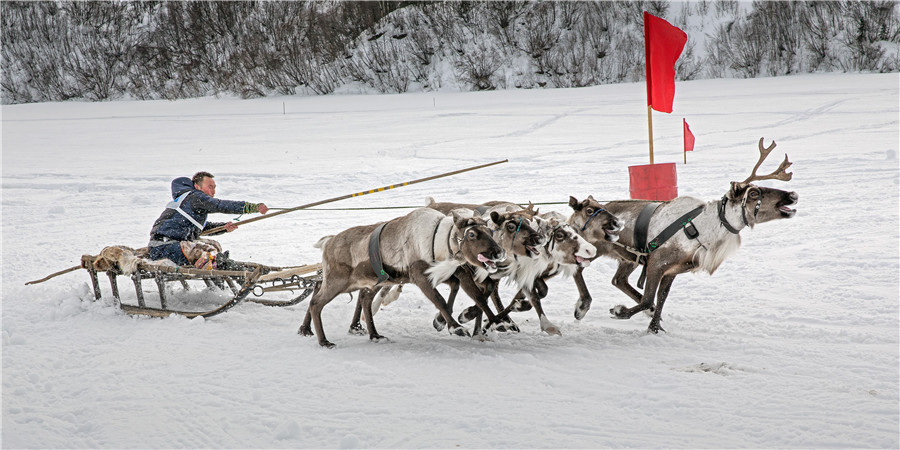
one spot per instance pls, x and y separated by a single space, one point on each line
176 233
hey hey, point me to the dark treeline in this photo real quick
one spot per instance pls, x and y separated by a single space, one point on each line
95 50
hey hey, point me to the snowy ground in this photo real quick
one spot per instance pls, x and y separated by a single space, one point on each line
792 343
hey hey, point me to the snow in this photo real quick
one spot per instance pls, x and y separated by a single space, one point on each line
792 343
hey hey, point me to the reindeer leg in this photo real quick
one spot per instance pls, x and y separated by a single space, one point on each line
474 291
366 296
535 295
326 293
654 274
664 285
418 277
583 304
519 304
305 327
355 326
479 296
620 280
439 323
503 322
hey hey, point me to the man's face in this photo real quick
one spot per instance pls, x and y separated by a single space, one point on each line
207 185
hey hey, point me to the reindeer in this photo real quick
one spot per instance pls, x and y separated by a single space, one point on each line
424 247
514 233
702 235
564 250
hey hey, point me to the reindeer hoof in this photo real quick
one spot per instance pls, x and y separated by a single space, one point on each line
506 326
620 312
469 314
378 338
655 328
520 306
582 306
438 323
304 331
553 331
460 331
357 329
326 344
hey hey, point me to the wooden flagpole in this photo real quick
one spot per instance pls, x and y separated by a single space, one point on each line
650 128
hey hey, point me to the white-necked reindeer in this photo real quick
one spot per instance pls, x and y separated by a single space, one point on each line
698 243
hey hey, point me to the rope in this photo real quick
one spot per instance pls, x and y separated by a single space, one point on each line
361 208
405 207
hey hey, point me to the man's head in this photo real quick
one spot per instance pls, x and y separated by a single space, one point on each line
203 181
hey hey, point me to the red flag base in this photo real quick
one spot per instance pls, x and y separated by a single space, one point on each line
656 182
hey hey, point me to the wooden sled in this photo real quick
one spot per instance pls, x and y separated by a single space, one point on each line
250 282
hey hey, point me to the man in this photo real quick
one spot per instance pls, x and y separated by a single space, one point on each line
176 233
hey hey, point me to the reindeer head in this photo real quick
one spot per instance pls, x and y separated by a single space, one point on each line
566 246
517 232
476 245
593 221
762 204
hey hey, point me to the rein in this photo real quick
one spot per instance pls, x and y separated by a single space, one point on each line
434 239
517 229
450 251
598 211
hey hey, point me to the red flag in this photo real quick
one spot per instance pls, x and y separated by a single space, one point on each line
688 137
663 44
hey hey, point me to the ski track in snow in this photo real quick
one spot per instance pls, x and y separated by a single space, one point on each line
794 342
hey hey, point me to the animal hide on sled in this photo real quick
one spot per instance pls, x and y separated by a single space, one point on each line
119 258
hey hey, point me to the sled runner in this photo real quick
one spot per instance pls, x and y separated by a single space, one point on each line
247 282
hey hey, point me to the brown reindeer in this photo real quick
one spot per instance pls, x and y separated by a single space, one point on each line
423 247
699 244
562 252
513 232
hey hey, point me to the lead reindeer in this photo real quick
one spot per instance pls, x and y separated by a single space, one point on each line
691 235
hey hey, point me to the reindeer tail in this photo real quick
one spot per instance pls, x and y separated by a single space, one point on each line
321 244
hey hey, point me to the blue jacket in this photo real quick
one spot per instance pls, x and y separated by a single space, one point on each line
174 225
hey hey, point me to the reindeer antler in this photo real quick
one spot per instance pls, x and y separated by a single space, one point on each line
778 174
531 210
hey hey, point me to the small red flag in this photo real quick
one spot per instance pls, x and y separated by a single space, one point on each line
663 44
688 137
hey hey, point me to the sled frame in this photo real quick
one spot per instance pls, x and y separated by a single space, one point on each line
255 279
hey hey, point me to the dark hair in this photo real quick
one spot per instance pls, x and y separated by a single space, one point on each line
199 176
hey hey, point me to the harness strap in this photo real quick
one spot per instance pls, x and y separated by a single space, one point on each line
681 223
673 228
375 254
176 205
434 240
722 218
643 225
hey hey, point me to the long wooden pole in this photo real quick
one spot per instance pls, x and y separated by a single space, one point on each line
344 197
650 127
61 272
